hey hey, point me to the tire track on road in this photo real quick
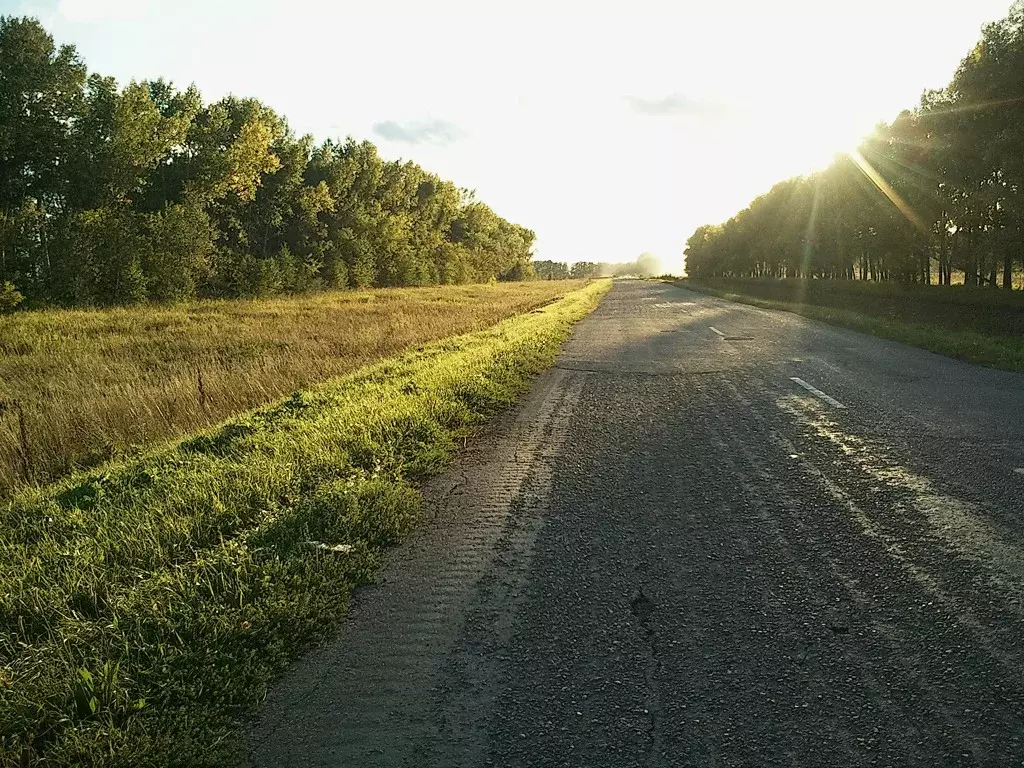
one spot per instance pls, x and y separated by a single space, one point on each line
380 694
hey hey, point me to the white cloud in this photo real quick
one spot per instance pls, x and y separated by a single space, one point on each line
679 105
438 132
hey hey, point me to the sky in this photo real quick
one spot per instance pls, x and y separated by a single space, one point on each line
609 128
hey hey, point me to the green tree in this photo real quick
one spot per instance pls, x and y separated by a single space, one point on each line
112 195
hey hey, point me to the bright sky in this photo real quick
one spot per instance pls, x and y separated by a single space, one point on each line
609 128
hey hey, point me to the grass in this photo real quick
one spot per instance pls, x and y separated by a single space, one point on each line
950 327
146 605
78 388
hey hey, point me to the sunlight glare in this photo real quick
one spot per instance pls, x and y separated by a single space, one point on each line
886 189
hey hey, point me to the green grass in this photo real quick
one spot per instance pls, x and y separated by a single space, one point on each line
147 605
994 351
81 387
896 294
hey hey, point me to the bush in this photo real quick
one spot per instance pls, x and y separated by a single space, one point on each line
10 297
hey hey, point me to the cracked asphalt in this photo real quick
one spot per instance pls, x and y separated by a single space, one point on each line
674 554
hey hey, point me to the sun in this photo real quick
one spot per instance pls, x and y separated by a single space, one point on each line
816 148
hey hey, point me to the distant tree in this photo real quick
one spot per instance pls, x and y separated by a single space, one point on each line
551 270
648 265
582 269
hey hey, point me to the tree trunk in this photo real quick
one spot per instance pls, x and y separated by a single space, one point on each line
943 254
3 242
44 236
970 259
1008 270
942 257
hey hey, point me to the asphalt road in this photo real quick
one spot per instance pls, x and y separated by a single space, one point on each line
713 535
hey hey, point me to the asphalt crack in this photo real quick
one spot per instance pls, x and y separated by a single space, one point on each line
643 609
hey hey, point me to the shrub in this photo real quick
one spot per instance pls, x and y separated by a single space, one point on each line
10 297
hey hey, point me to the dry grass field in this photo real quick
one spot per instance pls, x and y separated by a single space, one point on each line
78 388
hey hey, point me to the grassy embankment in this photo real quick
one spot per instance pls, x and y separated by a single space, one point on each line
145 605
977 325
78 388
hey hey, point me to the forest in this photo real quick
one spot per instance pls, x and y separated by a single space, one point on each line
937 193
645 265
121 195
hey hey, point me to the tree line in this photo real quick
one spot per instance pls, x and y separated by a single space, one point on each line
115 195
646 265
939 190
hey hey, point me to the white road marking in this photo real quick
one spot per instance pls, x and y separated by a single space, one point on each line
1019 471
815 391
716 330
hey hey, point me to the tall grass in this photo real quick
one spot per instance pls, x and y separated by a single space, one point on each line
145 605
78 388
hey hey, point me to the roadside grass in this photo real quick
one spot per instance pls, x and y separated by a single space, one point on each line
146 605
994 351
988 311
81 387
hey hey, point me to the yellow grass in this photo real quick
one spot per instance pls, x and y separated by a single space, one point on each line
91 385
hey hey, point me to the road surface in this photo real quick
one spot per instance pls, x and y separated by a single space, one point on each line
713 535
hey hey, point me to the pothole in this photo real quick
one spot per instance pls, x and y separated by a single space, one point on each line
641 606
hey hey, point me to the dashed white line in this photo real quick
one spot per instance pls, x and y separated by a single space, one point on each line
716 330
1019 471
815 391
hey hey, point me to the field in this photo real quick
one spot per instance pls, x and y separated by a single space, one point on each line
978 325
78 388
145 606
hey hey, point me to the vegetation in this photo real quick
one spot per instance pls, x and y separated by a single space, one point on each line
646 265
79 387
146 605
956 308
982 327
939 191
120 196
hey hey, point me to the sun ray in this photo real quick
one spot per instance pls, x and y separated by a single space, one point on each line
886 189
810 237
911 169
975 107
916 175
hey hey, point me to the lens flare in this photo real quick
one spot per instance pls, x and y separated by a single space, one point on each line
886 189
810 238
